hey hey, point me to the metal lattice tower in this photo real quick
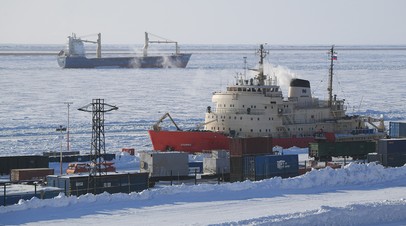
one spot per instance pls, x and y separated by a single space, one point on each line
98 139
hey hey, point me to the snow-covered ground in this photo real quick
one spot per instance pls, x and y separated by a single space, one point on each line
358 194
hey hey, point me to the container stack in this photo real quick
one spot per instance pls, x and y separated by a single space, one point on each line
253 159
392 152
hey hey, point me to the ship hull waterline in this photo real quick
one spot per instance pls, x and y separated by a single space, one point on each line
170 61
203 141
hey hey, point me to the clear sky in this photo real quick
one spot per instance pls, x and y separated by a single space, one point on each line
291 22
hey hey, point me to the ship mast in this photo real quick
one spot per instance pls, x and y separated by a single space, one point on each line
330 78
261 76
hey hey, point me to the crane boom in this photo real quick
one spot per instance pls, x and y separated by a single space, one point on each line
156 126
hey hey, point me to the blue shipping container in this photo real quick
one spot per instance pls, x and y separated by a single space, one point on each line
397 129
267 166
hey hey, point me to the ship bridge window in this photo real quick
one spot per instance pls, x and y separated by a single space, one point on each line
239 89
244 89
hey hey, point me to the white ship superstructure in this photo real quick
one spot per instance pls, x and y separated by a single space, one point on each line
256 107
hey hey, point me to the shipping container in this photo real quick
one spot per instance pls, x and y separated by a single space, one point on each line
8 163
374 157
30 174
165 164
219 154
79 158
58 154
250 146
236 169
216 165
111 183
263 166
397 129
392 152
354 149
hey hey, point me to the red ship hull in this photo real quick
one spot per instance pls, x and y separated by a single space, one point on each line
201 141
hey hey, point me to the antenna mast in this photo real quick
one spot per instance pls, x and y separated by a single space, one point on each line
262 55
333 57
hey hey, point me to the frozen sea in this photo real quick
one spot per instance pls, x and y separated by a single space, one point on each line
34 89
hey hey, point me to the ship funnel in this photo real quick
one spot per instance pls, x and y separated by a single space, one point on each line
299 90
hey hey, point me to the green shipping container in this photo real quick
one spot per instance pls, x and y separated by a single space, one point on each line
354 149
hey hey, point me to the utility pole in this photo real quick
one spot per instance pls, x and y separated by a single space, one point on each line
60 129
67 133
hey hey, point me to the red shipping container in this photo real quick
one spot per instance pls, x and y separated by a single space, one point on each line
30 174
250 146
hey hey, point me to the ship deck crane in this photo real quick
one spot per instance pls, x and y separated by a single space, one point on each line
156 126
164 40
98 42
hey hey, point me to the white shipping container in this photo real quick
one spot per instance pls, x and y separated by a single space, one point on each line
162 164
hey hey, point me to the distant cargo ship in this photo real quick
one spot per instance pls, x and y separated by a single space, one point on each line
74 56
256 108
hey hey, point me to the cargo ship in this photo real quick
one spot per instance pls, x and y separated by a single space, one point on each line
74 56
255 107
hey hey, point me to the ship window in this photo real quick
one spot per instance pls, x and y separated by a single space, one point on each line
239 89
243 106
244 89
260 130
266 107
251 130
258 119
224 105
269 119
224 128
235 117
240 118
252 119
240 129
229 117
